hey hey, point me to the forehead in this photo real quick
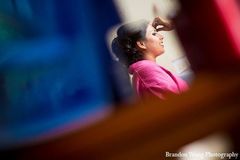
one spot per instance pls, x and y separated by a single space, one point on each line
150 29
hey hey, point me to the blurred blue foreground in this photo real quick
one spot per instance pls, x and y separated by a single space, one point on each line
53 66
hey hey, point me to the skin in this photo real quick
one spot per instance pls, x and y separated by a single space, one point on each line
152 46
162 24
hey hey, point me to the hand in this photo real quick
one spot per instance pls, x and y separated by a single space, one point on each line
161 24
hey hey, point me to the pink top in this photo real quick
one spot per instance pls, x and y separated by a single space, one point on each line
151 79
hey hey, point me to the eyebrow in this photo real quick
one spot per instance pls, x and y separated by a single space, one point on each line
153 30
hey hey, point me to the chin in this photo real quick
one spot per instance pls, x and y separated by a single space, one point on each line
161 52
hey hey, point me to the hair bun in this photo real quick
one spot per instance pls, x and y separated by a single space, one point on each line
118 50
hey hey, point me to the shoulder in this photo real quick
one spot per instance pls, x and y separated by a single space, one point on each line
149 72
145 67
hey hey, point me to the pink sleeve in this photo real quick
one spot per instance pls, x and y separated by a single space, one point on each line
155 81
154 84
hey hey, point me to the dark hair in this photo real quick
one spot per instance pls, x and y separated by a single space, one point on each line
124 45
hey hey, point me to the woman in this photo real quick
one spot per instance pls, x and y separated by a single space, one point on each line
137 45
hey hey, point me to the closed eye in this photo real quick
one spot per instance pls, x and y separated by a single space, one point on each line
154 33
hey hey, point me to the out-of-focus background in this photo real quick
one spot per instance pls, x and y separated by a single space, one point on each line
62 93
54 67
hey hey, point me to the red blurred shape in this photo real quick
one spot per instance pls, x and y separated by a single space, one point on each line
229 11
210 33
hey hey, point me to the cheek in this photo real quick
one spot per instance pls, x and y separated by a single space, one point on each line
152 43
155 46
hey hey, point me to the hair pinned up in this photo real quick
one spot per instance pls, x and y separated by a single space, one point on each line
124 45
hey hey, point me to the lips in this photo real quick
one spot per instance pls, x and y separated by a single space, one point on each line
161 43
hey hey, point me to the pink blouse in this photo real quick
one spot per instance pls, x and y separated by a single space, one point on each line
150 79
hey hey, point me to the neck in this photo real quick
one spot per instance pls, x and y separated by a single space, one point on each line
150 57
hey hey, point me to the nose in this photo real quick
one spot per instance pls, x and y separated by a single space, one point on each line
160 36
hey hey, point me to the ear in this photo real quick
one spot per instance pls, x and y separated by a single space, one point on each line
141 44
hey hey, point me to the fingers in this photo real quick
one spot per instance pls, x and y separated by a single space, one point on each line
161 24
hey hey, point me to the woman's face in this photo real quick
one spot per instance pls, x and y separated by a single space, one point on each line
153 42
